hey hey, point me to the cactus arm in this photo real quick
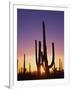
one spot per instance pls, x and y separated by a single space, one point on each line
52 56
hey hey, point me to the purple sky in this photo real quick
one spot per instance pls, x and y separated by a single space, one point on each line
29 29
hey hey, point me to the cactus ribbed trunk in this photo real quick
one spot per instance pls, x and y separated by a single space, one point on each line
42 55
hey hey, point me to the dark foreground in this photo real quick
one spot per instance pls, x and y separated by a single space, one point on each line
35 76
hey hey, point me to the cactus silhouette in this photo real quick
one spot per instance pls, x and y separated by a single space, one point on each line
37 60
42 55
29 67
60 65
17 65
24 70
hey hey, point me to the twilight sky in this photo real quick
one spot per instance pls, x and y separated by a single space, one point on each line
29 29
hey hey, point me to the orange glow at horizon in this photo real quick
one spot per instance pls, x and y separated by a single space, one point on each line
31 60
42 70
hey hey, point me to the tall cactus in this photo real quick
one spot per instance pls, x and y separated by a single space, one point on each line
37 60
36 50
42 55
17 65
60 65
24 65
29 67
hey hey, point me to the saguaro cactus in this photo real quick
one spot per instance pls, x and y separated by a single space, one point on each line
24 65
17 65
36 50
42 55
60 65
29 67
38 60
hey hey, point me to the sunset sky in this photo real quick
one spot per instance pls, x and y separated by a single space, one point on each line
29 29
